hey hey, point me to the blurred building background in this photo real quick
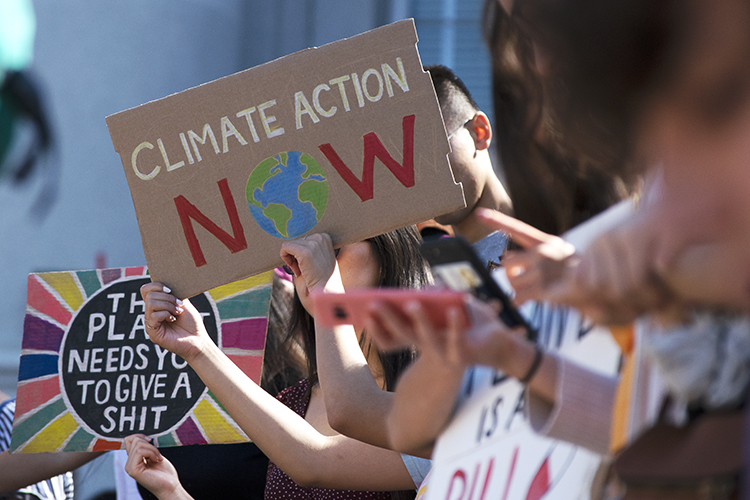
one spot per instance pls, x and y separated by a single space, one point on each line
96 58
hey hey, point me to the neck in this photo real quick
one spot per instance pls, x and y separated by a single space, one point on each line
493 196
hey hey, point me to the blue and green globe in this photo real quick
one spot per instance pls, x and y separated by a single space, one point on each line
287 194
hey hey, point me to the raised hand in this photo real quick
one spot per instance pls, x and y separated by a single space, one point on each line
311 257
172 323
147 466
543 261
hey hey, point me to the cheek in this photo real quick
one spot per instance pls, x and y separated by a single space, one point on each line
364 277
463 173
358 266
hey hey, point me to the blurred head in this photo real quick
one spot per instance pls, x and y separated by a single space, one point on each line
388 260
672 79
695 120
554 184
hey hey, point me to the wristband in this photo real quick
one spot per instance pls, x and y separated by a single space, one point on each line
535 364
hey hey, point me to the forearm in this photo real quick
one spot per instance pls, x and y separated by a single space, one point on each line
175 492
515 357
277 431
582 411
356 406
23 469
423 404
307 456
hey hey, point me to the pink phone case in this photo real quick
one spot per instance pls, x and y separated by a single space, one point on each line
351 308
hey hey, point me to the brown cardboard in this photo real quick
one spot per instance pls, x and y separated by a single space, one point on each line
312 102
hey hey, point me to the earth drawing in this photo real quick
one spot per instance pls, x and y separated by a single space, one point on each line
287 194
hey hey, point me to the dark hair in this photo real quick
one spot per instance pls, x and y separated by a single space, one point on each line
610 54
554 186
456 102
283 359
401 265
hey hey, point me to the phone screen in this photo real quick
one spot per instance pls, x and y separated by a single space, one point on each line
454 263
459 276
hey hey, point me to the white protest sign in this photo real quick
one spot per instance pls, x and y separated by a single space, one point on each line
489 450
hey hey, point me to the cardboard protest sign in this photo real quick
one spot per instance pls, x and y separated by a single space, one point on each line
89 375
346 139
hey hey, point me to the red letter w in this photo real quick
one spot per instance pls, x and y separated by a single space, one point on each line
374 148
189 211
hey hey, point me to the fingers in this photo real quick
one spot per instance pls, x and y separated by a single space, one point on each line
140 452
527 275
160 305
141 444
304 247
160 296
154 287
427 335
522 233
388 328
454 337
516 263
311 257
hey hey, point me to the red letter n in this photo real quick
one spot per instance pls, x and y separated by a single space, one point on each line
374 148
189 211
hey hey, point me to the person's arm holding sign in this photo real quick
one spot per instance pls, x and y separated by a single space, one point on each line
306 449
149 467
356 402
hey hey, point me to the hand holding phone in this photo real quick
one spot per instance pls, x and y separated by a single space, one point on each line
454 263
353 306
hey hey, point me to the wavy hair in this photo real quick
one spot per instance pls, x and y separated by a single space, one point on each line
555 182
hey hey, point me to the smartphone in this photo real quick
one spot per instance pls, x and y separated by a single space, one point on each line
455 264
351 307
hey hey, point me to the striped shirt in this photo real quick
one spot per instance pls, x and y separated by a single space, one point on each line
56 488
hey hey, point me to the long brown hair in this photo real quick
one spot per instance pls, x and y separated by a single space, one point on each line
401 265
554 184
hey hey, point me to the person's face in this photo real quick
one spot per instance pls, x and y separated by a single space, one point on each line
470 163
358 267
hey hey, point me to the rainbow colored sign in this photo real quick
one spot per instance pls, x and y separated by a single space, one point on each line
89 375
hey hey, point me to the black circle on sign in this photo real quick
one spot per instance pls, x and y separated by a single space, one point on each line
114 378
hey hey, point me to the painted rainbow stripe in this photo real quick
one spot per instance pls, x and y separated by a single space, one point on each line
44 423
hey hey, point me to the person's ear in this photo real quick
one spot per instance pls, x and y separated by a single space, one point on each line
481 131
